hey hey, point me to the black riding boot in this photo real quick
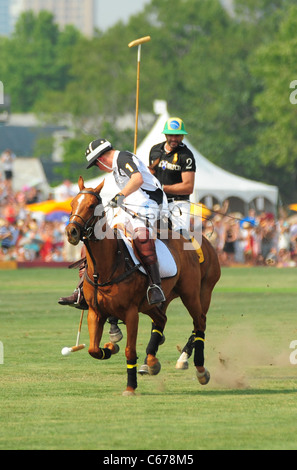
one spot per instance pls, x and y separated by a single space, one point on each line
155 294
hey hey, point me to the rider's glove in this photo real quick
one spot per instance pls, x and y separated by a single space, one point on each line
117 201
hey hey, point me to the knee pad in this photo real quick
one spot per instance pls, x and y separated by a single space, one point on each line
144 245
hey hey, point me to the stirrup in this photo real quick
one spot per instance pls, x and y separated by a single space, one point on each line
160 295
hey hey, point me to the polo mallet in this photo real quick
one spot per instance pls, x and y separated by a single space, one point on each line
66 351
138 43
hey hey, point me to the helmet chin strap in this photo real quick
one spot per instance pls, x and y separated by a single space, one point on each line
106 166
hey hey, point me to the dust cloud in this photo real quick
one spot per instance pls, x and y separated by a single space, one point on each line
239 352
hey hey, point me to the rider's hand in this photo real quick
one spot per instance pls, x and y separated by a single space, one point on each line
117 200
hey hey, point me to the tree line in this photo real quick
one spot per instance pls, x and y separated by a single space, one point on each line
228 73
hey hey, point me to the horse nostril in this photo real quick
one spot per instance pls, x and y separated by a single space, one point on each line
73 232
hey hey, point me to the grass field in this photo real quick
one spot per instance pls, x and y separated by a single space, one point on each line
48 401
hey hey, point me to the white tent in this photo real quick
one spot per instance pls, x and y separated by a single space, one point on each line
212 184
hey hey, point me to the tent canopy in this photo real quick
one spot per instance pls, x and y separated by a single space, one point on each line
211 180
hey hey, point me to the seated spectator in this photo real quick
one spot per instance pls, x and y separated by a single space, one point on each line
8 236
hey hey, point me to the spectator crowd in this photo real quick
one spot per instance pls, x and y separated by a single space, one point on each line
255 240
259 239
30 236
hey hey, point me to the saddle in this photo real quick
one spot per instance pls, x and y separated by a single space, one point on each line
167 265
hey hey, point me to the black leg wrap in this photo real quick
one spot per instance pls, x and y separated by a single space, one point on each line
106 353
155 340
199 348
132 374
188 348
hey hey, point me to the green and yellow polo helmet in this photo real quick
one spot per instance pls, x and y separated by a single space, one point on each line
174 125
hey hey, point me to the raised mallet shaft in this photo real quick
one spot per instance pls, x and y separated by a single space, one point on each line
137 42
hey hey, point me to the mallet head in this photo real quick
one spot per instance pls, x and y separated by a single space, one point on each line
66 351
138 42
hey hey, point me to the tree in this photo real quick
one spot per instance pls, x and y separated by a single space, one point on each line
36 59
276 144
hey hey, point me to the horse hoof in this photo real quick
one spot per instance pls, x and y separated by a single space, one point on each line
143 370
182 365
113 347
182 362
154 369
128 393
115 334
154 365
203 377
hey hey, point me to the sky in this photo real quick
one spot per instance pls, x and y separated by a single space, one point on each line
110 12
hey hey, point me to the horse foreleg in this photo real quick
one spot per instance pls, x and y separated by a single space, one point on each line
132 319
151 364
95 325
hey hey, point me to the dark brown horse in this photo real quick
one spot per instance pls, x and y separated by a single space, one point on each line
114 288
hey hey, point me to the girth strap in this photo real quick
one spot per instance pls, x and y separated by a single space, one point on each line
116 280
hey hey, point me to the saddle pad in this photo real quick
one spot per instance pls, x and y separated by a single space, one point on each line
167 265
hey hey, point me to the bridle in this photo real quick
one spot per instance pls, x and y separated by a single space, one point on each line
87 226
86 234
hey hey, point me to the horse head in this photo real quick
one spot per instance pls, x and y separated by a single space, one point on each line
82 218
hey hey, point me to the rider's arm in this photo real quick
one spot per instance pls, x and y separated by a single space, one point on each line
185 187
133 184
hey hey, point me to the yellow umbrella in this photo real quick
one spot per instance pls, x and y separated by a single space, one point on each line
293 207
199 210
49 206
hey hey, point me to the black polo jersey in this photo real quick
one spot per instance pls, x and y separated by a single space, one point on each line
172 165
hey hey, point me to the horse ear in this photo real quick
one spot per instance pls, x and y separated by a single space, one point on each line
100 186
81 184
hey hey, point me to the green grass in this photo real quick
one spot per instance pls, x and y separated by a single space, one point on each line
53 402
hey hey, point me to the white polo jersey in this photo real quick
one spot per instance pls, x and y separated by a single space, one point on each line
125 163
148 200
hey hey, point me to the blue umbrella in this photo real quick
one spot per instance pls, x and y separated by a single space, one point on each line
57 216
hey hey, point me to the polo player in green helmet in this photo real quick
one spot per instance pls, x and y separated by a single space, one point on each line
173 164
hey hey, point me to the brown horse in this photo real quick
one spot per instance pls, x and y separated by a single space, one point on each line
114 286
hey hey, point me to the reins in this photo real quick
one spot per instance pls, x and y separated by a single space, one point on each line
87 232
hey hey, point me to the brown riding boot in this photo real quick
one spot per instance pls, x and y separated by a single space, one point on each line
76 299
146 251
